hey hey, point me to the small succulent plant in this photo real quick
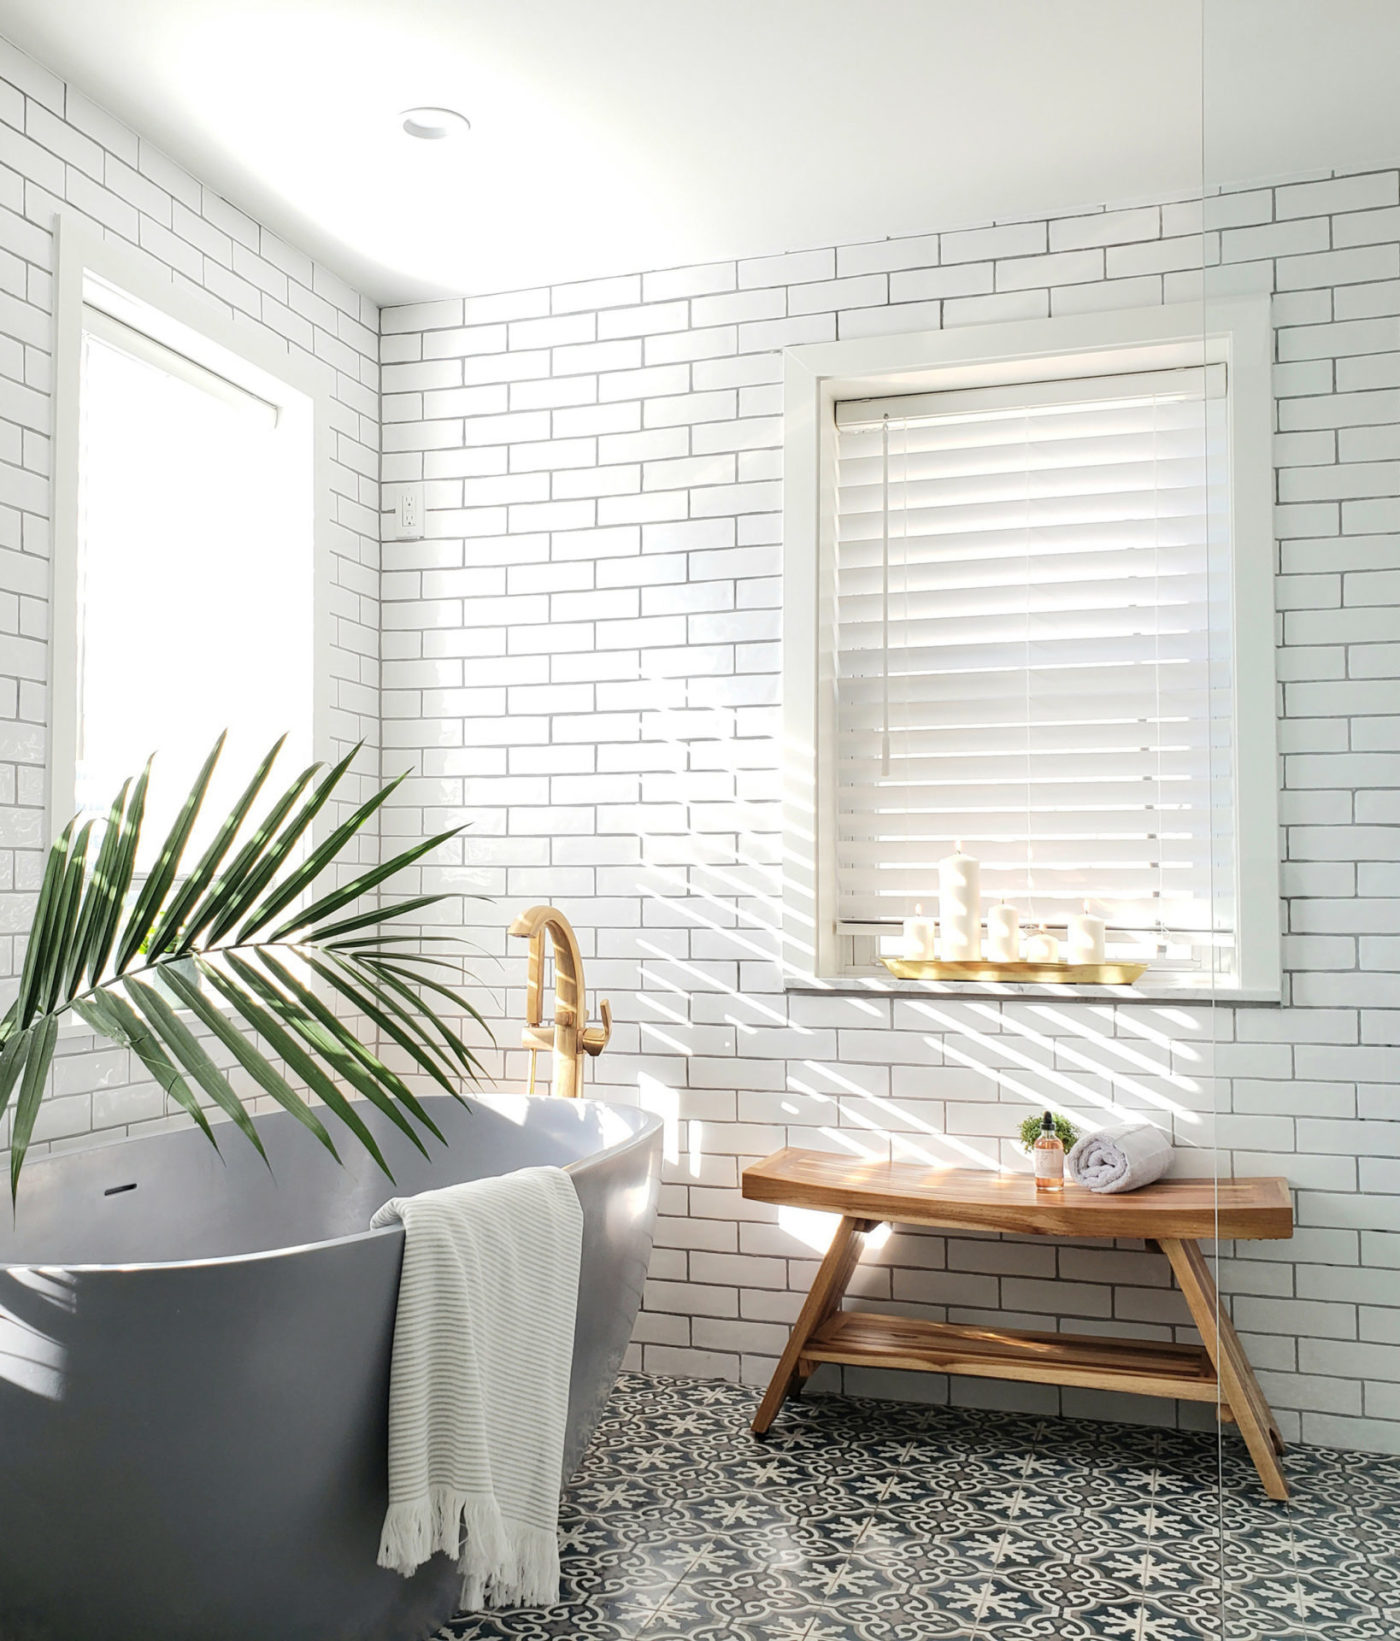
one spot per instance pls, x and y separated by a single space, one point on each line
1030 1131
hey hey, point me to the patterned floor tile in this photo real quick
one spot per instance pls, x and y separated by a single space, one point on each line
876 1521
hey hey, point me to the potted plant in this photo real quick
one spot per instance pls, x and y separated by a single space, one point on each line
1029 1132
241 946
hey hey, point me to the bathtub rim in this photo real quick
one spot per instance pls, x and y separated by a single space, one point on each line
649 1125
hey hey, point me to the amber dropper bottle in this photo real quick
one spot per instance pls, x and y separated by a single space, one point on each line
1049 1157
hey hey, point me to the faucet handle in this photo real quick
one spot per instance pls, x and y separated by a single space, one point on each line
595 1038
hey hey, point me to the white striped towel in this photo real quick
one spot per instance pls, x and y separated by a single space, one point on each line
479 1386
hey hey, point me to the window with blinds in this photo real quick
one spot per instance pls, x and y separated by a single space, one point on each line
1031 657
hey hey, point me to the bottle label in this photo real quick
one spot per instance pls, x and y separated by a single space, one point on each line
1049 1162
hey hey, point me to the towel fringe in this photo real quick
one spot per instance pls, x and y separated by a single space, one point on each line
525 1575
503 1563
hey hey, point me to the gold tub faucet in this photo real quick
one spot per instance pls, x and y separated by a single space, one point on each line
570 1037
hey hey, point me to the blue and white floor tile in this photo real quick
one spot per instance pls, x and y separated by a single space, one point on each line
876 1521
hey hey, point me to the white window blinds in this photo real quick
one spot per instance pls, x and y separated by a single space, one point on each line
1024 660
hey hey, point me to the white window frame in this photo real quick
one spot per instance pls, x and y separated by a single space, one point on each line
1238 331
98 273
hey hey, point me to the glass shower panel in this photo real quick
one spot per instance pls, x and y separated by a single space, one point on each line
1301 221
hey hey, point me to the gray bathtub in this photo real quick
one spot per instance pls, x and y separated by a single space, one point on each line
194 1370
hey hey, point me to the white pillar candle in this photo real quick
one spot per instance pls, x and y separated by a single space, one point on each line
1086 938
1003 934
959 908
919 936
1042 947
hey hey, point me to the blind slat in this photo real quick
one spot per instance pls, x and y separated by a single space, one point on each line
1124 391
1028 665
861 540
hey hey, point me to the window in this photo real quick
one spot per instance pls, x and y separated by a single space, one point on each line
1026 634
186 587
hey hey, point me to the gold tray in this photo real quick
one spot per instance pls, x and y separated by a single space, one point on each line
1054 974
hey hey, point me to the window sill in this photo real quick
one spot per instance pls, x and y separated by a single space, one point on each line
1158 994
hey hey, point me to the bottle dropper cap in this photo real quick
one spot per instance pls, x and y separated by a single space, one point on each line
1048 1124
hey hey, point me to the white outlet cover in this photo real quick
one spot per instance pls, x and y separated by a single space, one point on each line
406 523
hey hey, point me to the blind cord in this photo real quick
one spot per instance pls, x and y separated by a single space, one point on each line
1026 638
885 595
1163 936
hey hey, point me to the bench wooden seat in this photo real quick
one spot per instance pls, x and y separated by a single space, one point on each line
974 1199
1173 1215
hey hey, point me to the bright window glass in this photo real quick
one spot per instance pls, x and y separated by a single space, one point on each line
195 576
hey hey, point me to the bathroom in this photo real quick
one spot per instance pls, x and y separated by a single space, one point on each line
557 393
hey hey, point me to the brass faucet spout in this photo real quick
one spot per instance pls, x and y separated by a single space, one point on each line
570 1037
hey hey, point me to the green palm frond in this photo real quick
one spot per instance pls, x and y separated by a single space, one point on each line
223 952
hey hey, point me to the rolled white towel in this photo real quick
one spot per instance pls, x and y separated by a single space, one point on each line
1121 1158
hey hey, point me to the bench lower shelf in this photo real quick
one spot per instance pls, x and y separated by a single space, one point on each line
1219 1373
865 1339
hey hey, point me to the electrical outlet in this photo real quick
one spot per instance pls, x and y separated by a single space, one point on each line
408 512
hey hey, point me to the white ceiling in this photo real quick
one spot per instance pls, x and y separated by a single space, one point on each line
613 135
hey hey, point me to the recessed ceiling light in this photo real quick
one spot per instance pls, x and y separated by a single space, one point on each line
435 124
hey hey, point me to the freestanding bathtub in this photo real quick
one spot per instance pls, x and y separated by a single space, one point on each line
194 1370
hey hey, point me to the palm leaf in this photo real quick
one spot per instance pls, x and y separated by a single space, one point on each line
277 849
194 1060
333 902
139 927
11 1064
286 892
301 1063
221 899
260 1069
199 880
393 979
41 934
158 968
395 967
123 870
407 1006
111 1016
98 889
376 914
369 941
371 1064
332 1046
57 952
405 989
44 1036
387 1017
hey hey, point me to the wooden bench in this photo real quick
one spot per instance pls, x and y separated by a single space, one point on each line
1172 1215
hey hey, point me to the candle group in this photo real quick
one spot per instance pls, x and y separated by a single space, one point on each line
1003 934
959 908
919 936
956 935
1086 938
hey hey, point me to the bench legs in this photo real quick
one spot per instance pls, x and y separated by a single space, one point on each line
1239 1388
1240 1398
820 1305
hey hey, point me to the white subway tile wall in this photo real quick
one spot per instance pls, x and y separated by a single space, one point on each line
582 660
59 151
